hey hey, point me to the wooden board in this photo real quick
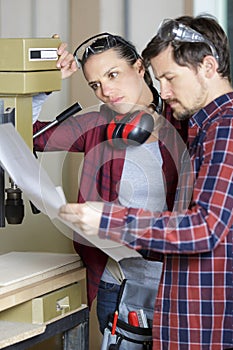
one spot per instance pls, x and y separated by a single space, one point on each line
20 266
12 332
26 275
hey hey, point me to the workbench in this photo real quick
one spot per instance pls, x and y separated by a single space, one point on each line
26 277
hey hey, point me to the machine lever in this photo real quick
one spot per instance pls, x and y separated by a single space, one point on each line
75 108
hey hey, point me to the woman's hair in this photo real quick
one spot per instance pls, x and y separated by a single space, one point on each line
123 48
192 53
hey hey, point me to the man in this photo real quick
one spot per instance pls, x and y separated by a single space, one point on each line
190 58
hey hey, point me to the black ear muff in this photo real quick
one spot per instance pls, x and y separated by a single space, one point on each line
130 130
114 132
157 104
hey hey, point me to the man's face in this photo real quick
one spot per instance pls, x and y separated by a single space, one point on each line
183 88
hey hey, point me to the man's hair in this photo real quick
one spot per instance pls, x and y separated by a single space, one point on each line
192 53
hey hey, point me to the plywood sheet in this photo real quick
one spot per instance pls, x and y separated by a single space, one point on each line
14 332
19 266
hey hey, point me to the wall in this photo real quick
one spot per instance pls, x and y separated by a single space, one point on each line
142 28
215 8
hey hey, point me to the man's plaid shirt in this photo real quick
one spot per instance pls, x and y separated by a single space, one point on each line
194 305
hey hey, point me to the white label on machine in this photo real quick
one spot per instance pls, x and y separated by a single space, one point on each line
43 54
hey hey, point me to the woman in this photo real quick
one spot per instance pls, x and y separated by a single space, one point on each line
116 73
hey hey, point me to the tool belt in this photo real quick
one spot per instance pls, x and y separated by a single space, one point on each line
131 333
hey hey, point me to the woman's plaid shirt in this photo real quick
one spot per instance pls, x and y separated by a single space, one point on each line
102 169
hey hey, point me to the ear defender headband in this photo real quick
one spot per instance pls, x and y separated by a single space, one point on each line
157 104
133 129
100 43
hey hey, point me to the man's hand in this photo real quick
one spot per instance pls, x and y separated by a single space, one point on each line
66 62
85 216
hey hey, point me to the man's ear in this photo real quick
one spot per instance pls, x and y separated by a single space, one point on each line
210 65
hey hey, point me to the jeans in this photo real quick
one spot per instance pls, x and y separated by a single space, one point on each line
106 302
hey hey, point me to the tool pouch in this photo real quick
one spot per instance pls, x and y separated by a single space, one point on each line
132 297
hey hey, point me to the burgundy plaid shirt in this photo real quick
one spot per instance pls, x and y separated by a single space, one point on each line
194 308
102 169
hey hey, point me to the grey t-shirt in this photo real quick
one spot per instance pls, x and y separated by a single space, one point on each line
142 186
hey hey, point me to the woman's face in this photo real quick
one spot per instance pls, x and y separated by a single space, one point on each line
114 81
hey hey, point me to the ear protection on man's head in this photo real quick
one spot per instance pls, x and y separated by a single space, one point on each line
132 129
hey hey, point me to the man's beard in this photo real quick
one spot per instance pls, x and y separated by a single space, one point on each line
198 101
184 114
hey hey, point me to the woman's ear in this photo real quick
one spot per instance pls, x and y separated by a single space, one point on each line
140 66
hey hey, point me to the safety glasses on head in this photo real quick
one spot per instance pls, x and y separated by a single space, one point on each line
97 44
173 31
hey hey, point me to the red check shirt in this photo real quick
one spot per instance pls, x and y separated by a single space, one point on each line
102 170
194 308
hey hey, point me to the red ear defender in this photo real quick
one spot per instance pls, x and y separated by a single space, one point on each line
130 130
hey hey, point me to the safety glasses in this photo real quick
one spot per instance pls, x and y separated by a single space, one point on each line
97 44
173 31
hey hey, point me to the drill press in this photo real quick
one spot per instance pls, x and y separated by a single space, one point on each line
27 67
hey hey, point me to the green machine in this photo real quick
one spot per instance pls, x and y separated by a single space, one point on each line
27 67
